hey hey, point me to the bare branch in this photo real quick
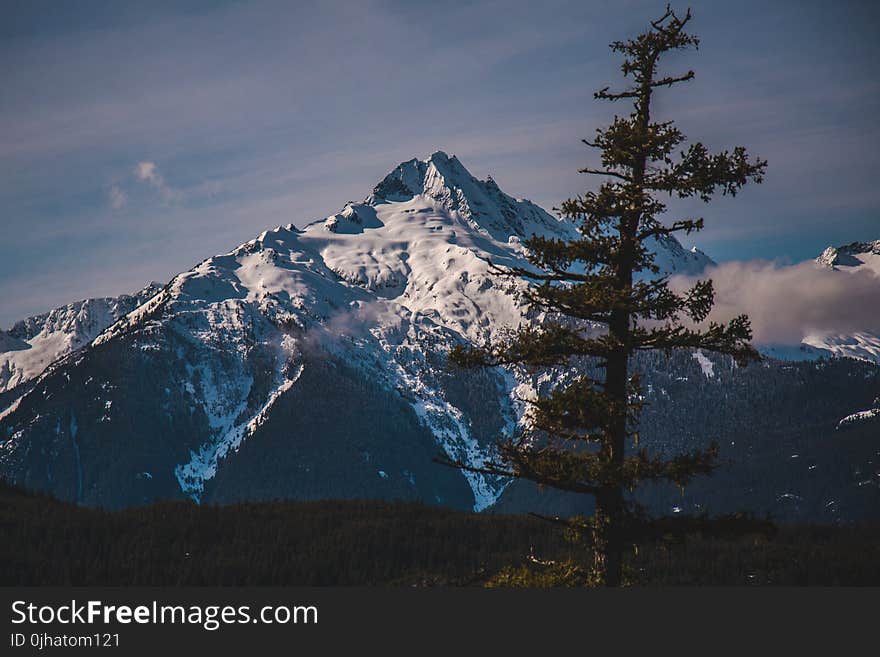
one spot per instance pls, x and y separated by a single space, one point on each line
669 81
605 95
603 172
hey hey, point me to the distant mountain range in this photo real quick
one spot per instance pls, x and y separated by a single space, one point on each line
310 363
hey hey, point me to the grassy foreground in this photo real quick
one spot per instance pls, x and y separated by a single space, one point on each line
346 543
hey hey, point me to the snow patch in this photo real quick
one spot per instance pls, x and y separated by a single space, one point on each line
705 364
861 416
231 431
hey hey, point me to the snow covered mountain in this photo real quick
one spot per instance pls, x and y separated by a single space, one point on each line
850 256
32 344
310 363
381 290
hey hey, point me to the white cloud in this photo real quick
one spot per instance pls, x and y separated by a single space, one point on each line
118 197
148 172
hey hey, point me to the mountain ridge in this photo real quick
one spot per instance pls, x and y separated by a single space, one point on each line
34 343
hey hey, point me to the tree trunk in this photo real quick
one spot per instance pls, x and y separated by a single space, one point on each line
610 507
607 539
609 503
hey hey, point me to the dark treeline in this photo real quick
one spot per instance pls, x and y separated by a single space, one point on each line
47 542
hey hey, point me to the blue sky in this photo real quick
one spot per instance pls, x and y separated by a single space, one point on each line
139 138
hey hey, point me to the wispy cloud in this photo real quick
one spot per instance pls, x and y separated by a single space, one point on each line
118 197
148 173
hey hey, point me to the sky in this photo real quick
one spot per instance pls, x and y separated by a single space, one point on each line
137 139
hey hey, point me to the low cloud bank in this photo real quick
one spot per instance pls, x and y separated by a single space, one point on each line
787 303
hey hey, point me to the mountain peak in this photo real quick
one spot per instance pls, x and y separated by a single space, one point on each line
409 178
672 258
445 182
449 166
854 254
441 158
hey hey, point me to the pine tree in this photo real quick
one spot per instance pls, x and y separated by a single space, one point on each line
582 436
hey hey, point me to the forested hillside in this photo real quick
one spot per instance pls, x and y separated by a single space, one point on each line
46 542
